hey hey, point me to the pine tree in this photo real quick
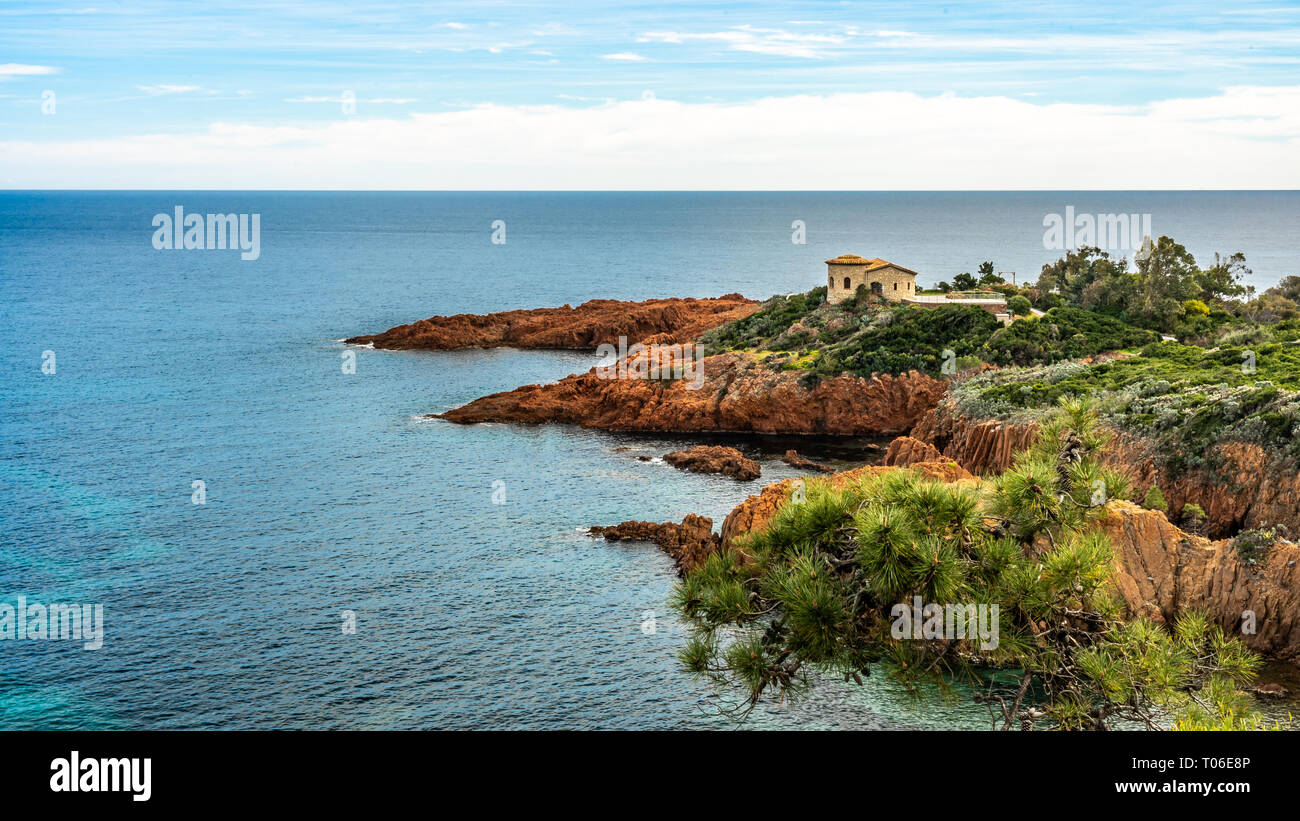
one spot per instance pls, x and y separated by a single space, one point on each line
816 593
1155 500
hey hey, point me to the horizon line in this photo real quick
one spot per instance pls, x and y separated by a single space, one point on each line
658 190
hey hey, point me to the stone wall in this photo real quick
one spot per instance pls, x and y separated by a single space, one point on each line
895 283
835 290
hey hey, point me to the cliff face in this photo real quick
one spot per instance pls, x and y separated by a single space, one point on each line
738 394
1247 489
1160 570
593 323
1163 571
980 446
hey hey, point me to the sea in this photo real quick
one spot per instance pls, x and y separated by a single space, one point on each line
280 537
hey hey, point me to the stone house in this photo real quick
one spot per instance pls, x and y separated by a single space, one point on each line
846 272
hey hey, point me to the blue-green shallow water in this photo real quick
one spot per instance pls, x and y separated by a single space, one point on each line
329 491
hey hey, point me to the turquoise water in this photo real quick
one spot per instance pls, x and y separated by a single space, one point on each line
329 492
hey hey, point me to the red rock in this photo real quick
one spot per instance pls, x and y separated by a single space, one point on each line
981 446
593 323
756 511
1160 567
714 459
688 543
905 451
794 460
738 394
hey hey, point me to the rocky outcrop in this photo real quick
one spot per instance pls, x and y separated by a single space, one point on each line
714 459
593 323
794 460
1241 487
735 393
981 446
755 512
1270 690
905 451
688 543
1162 571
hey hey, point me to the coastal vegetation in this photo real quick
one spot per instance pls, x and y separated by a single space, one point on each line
1167 292
864 335
861 335
1183 356
1182 397
821 591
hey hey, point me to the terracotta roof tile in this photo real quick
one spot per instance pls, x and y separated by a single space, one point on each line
872 264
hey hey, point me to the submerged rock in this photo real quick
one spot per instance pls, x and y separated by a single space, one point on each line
1271 690
794 460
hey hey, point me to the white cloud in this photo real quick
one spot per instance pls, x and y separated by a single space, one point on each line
10 69
1246 137
776 42
165 88
839 41
624 55
345 99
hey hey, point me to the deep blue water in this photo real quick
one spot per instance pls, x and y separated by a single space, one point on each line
329 491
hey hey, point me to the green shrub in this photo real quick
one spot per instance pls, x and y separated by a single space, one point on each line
1253 546
1155 500
1063 333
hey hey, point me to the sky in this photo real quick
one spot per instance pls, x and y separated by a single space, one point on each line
650 95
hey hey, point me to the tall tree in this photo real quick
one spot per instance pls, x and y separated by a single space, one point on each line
818 592
1090 270
1167 278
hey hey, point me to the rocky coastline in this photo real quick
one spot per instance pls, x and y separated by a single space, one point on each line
593 323
1162 570
738 395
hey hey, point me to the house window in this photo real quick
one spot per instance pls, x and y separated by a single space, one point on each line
876 288
895 286
846 283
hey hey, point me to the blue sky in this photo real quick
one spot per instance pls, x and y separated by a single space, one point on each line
127 75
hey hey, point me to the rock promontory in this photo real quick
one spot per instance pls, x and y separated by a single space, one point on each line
593 323
736 393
